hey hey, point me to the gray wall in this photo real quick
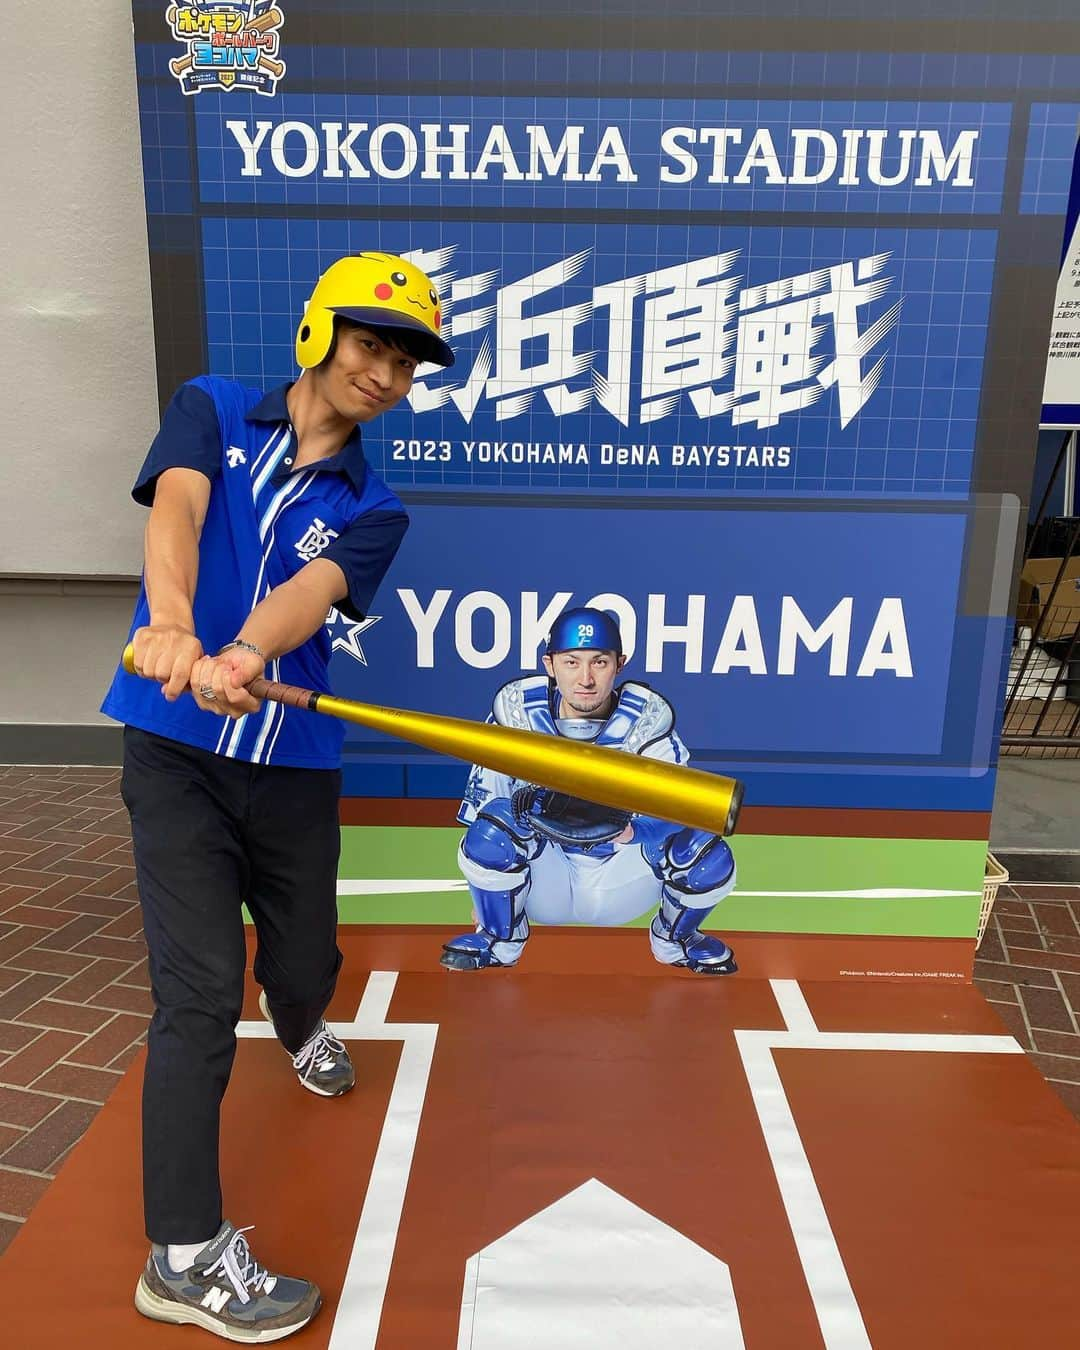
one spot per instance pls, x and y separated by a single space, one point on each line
60 644
76 344
77 352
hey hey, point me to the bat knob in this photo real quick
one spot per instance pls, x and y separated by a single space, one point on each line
128 659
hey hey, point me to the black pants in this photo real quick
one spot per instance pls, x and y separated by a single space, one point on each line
209 834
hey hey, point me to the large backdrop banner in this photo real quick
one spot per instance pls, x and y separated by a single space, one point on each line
751 321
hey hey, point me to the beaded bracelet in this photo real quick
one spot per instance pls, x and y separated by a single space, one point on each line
244 646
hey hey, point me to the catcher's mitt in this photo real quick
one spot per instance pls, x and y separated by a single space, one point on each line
567 820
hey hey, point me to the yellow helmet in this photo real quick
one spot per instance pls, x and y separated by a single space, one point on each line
377 289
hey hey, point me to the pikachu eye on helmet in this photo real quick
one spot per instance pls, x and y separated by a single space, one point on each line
379 291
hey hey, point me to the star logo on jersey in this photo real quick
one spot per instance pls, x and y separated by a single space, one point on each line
345 633
475 792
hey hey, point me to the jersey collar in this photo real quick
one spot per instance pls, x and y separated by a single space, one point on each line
272 407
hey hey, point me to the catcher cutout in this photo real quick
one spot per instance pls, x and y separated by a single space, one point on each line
531 854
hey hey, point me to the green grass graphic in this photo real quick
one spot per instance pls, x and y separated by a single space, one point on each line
765 863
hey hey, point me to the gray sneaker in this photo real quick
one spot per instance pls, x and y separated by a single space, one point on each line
227 1292
322 1063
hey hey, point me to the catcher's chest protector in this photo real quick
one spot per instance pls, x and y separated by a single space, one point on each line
641 715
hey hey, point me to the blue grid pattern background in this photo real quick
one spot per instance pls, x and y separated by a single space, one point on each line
391 157
166 155
940 71
914 437
1048 162
261 250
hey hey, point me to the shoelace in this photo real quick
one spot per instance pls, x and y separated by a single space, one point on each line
318 1051
241 1269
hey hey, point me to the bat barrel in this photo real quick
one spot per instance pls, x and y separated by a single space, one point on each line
598 774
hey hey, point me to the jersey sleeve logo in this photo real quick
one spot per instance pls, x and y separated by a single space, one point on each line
315 538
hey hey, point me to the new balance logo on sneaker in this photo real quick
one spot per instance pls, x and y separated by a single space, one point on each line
227 1292
322 1063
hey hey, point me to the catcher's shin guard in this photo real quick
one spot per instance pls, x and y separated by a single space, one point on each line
693 866
494 857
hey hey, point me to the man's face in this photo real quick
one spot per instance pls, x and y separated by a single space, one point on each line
364 377
584 679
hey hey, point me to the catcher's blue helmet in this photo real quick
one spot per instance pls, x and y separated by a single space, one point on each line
584 630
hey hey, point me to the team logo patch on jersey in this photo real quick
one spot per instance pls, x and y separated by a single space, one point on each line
228 46
315 538
237 455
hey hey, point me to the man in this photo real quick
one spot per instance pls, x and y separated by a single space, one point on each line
264 516
531 854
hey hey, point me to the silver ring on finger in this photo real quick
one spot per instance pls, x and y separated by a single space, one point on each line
207 693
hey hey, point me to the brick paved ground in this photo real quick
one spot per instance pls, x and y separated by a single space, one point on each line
1029 970
74 995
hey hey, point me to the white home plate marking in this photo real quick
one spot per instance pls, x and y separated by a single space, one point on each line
595 1272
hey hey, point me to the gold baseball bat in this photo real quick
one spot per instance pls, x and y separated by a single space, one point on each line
597 773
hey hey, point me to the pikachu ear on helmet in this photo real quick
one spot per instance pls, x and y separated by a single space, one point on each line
314 336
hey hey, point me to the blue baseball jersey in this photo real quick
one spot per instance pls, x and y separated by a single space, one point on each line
264 522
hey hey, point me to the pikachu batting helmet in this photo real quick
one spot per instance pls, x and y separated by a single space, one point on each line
379 290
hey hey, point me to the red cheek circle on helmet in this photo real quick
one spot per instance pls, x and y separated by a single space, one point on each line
383 291
437 319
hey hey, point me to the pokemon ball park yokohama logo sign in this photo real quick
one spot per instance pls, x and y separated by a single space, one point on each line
227 46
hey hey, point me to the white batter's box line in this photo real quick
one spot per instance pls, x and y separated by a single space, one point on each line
801 1033
835 1305
356 1324
934 1042
369 1021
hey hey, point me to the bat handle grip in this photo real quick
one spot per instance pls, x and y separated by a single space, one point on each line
258 688
291 694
